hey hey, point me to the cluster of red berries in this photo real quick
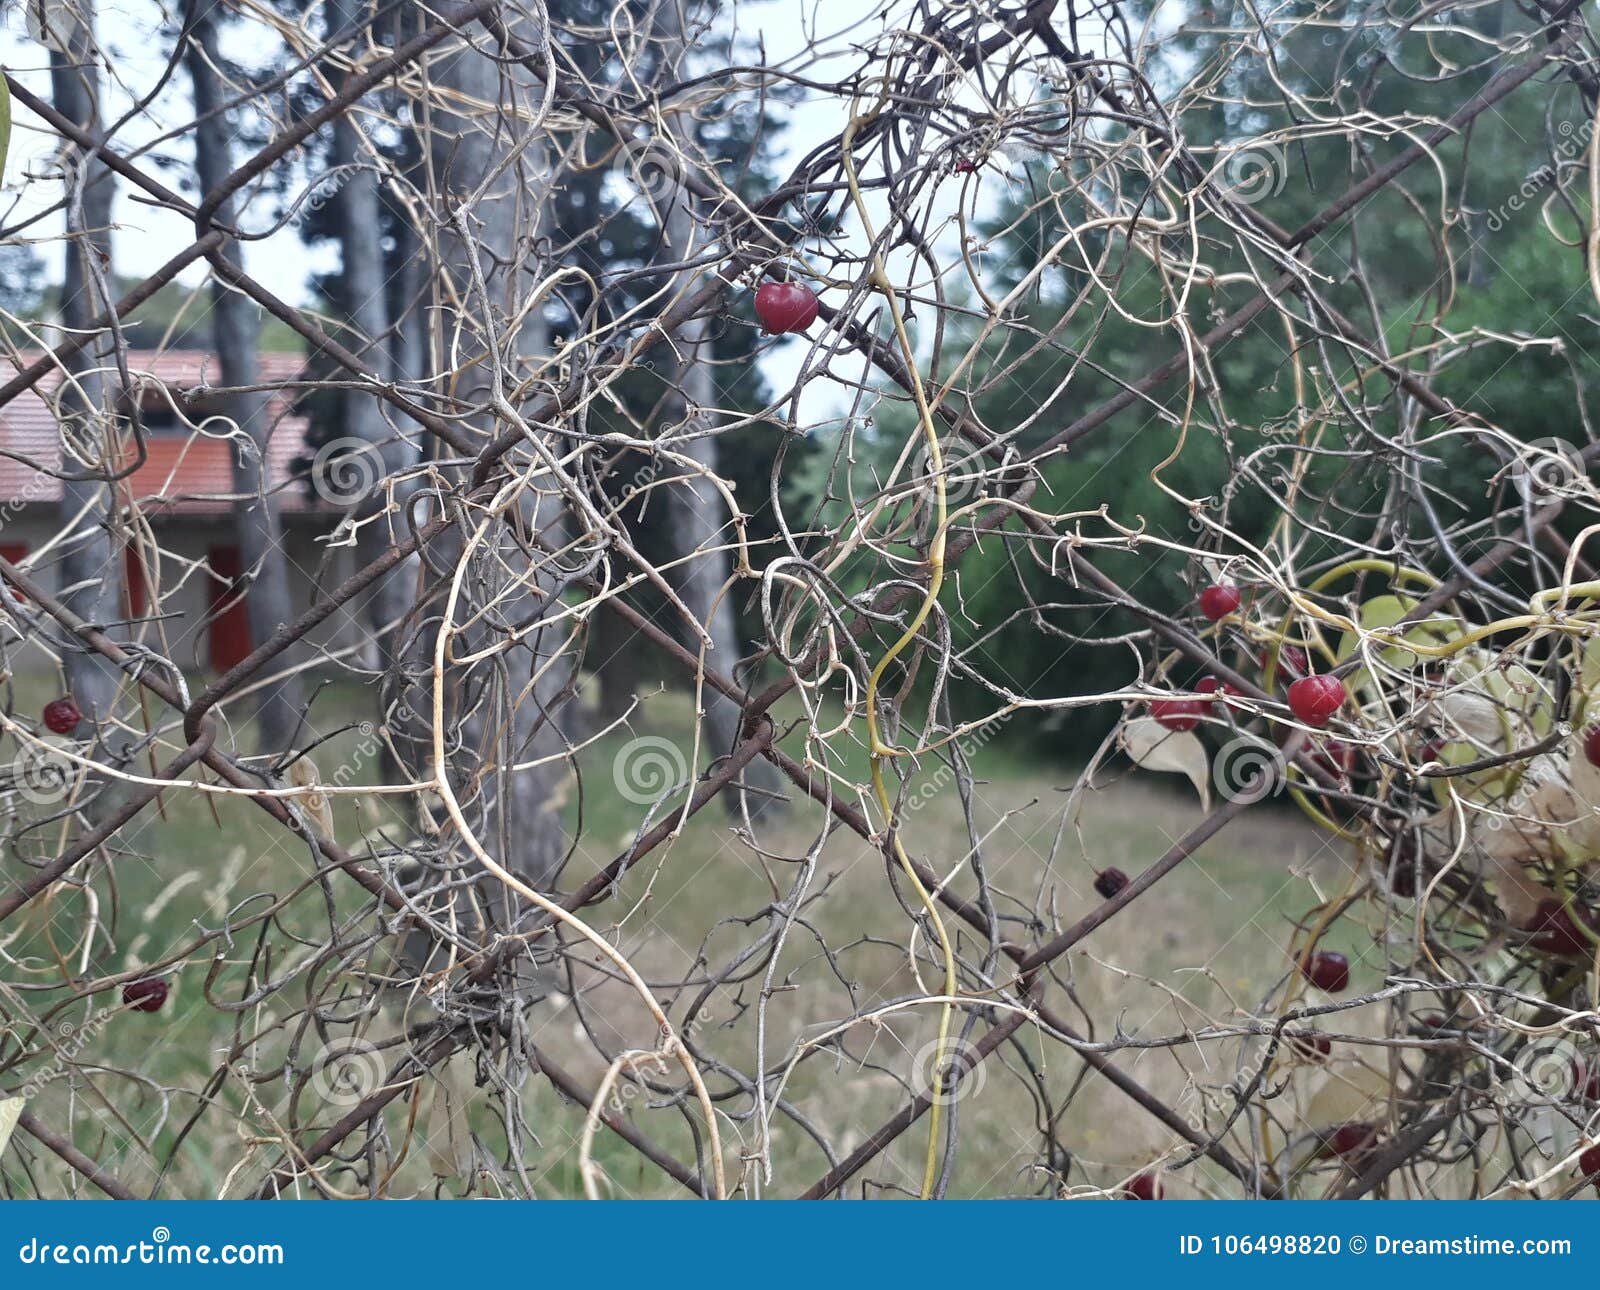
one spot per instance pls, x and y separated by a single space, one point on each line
1312 698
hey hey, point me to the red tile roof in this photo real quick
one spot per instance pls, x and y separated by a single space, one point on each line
186 470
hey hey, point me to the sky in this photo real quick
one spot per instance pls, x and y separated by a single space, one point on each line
145 236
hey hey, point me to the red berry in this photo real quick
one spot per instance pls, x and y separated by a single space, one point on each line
145 996
1316 698
1591 745
1314 1047
1291 659
1350 1139
1557 932
1589 1162
1216 689
1219 600
62 715
1333 756
1585 1082
1108 882
1327 970
1179 714
965 166
785 306
1147 1186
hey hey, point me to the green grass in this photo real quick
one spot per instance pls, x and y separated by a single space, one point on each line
1214 934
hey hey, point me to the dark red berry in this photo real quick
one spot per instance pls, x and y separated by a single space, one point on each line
1108 882
785 306
1219 600
965 166
1316 698
145 996
1431 1021
62 716
1334 757
1589 1162
1328 970
1585 1080
1147 1186
1313 1047
1557 932
1349 1140
1291 660
1216 689
1591 745
1179 714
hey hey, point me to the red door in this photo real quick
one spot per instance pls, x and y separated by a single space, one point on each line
230 621
15 553
134 581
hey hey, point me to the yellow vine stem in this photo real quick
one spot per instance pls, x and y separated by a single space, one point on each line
878 751
671 1044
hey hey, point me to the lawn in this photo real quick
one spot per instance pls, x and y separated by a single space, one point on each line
207 1107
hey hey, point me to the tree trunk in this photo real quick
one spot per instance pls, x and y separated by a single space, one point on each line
90 569
519 811
237 333
697 515
357 206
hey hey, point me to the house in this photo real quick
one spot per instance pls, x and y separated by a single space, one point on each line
179 588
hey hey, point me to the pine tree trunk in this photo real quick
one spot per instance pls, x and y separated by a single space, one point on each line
237 338
520 811
90 570
358 209
698 520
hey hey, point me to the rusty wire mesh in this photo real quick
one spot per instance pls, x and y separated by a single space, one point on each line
451 977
